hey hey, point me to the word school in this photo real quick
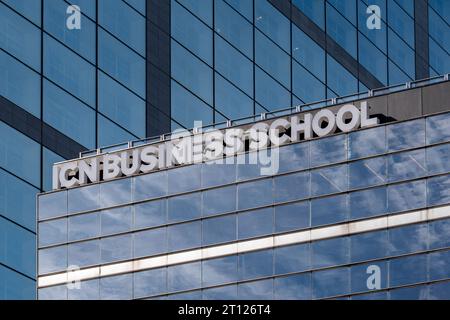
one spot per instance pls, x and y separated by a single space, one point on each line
210 146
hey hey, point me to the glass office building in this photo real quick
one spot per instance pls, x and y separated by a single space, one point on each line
340 210
137 69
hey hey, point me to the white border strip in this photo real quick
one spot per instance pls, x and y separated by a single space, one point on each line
247 246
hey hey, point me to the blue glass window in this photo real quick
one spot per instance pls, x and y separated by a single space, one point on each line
220 229
184 179
150 214
230 101
82 40
367 246
115 192
16 286
184 276
89 290
150 186
366 143
330 252
29 8
407 165
272 59
83 199
51 260
255 194
328 150
255 223
124 22
52 204
294 157
150 242
406 135
257 290
401 22
342 31
53 293
233 66
83 254
219 200
368 203
116 287
308 53
365 173
120 62
52 232
116 220
305 85
314 9
202 9
292 216
407 196
255 264
18 200
272 22
291 187
377 36
296 287
20 84
439 262
294 258
373 59
150 282
69 115
191 72
220 293
329 210
244 7
341 81
185 236
362 276
217 174
116 248
110 133
439 234
401 54
438 128
121 105
409 293
438 190
185 207
219 271
269 93
187 108
340 278
13 27
69 70
439 291
84 226
233 27
329 180
408 270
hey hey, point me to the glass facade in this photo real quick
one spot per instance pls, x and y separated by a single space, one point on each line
385 171
136 69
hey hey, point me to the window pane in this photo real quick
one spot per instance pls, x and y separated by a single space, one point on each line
84 199
29 8
19 154
255 194
219 200
255 223
184 276
269 93
116 220
257 290
115 192
255 264
438 128
121 105
84 254
366 173
340 278
221 229
150 214
52 259
408 270
220 293
202 9
308 53
84 226
438 159
150 242
439 233
329 180
329 210
305 85
121 63
367 246
52 232
191 72
339 79
116 248
362 276
52 205
185 236
149 186
150 282
296 287
294 258
328 150
69 70
407 196
116 288
82 40
294 157
123 22
110 133
89 290
69 115
291 187
439 190
368 203
292 216
219 271
407 165
217 174
233 66
342 31
184 179
330 252
185 207
20 84
191 32
230 101
366 143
